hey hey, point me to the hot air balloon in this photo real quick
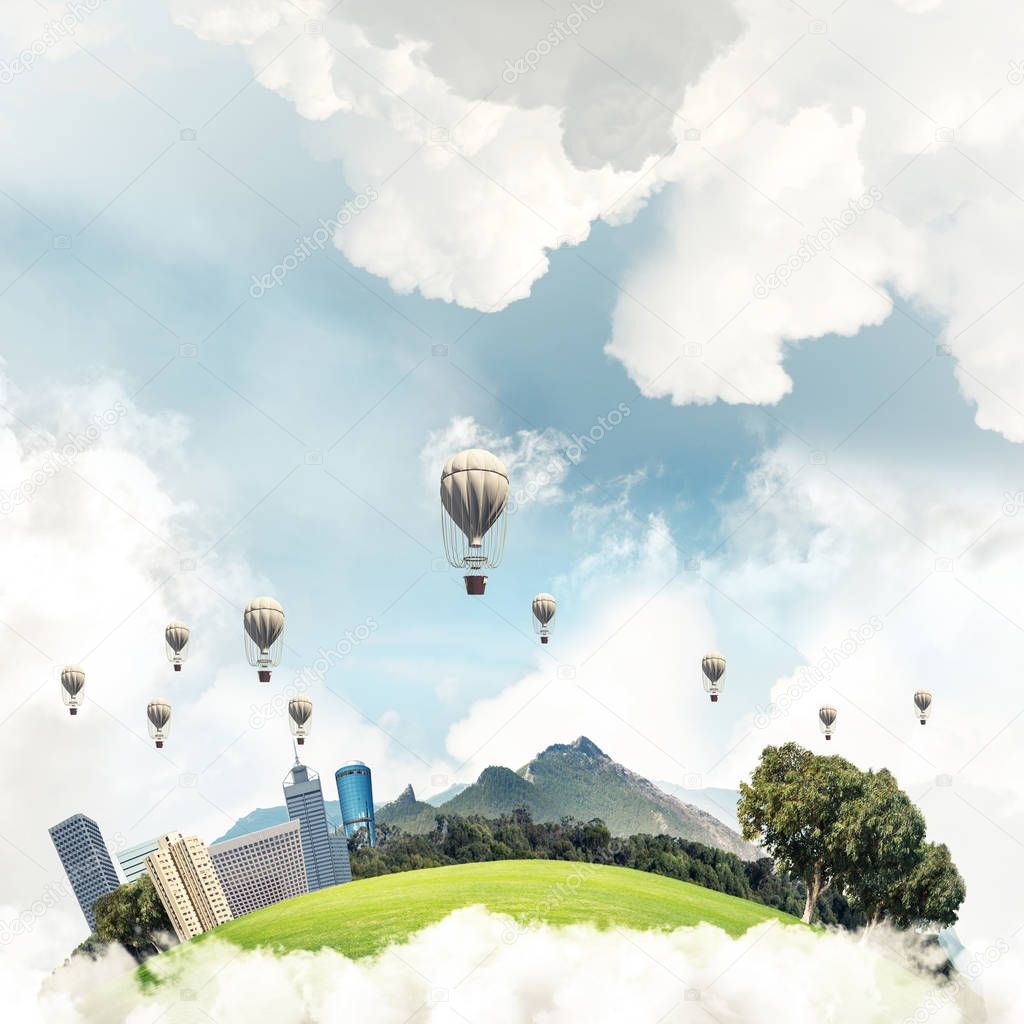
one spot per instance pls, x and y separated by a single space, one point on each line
544 606
713 665
159 714
300 711
176 636
827 716
264 635
72 682
474 496
923 703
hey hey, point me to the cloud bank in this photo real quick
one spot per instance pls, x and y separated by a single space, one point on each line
479 967
820 177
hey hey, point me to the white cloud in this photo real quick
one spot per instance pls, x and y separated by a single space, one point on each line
494 173
484 967
789 121
538 461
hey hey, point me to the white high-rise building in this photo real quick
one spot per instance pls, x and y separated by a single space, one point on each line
187 884
261 868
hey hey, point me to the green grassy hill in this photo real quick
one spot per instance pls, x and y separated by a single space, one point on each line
360 918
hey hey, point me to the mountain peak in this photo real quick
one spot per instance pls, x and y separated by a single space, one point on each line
407 796
582 745
588 747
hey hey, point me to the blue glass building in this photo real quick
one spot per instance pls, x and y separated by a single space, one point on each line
355 794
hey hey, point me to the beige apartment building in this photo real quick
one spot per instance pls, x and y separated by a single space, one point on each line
187 884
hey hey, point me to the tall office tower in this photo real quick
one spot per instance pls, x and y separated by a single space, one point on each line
355 794
261 868
133 860
86 861
339 854
187 884
305 802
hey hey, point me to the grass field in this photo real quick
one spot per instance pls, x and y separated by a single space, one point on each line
360 918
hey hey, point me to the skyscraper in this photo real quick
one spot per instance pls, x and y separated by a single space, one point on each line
261 868
355 794
86 861
187 884
133 860
305 802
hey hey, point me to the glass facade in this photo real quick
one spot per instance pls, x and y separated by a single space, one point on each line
86 861
133 860
305 803
355 794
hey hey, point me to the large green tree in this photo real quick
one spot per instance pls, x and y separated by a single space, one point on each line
879 843
133 916
793 806
931 894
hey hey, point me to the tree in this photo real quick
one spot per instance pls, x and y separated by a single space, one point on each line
792 807
880 837
931 894
133 916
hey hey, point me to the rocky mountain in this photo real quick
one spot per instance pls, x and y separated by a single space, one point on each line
579 780
719 803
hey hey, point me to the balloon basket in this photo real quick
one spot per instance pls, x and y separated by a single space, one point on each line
922 721
475 585
177 668
301 741
73 711
714 698
829 738
543 639
159 744
264 675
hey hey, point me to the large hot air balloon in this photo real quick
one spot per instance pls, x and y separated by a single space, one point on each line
264 635
176 636
827 716
474 496
159 714
72 682
544 606
300 711
923 703
713 665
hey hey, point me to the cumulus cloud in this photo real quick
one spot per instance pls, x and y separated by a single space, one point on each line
481 170
634 620
538 461
766 128
478 966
